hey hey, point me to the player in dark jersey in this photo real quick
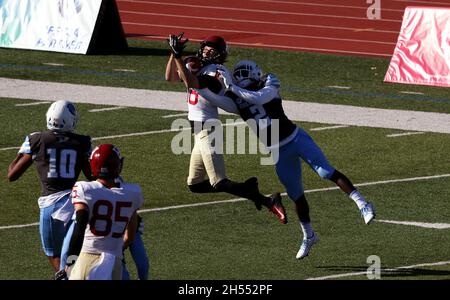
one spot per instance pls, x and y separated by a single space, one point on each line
256 98
59 155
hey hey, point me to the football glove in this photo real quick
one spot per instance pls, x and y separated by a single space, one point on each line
272 80
177 44
225 77
60 275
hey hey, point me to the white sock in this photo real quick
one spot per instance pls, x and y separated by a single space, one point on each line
308 232
358 198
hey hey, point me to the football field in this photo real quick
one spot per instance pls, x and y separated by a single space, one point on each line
215 236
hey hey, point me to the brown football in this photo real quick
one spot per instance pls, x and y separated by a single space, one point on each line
193 63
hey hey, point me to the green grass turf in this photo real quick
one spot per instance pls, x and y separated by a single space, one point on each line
234 241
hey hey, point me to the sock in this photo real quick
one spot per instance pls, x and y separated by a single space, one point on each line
308 232
358 198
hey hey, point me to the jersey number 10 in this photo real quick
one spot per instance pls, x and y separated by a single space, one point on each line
66 166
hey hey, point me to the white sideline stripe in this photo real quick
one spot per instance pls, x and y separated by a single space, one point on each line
174 115
339 87
417 224
404 134
242 199
328 127
440 263
106 109
258 22
33 103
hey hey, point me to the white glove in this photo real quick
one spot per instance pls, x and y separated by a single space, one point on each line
272 80
225 77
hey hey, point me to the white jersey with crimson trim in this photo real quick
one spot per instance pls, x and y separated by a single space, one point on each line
200 109
110 210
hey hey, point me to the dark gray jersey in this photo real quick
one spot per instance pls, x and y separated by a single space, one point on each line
59 157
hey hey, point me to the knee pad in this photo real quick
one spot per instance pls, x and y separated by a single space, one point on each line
325 173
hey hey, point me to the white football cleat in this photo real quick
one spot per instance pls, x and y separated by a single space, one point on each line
306 246
368 212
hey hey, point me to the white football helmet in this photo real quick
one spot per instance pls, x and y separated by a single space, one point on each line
62 116
246 72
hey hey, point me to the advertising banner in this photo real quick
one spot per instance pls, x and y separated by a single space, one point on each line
422 53
49 25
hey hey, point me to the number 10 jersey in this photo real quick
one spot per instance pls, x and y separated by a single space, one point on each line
59 157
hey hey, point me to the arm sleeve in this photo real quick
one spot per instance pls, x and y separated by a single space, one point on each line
76 241
260 97
223 102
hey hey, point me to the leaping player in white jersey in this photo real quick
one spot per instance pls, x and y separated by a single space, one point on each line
105 209
203 117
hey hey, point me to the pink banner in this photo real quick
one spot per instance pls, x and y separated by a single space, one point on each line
422 53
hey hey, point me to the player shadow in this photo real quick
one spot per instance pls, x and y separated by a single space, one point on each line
391 274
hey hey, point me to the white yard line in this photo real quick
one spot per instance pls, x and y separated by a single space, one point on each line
175 115
54 64
139 134
328 127
124 70
106 109
440 263
411 93
32 103
417 224
284 194
403 134
339 87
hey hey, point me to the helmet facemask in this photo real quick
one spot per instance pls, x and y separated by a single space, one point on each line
220 47
246 73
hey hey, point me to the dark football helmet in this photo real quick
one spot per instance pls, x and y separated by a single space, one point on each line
106 161
219 44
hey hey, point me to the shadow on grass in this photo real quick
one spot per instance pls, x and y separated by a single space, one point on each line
393 274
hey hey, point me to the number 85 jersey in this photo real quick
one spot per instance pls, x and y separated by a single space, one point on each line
110 210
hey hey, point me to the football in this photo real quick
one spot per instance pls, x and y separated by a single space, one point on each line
193 63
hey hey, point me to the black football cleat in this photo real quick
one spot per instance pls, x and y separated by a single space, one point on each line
276 207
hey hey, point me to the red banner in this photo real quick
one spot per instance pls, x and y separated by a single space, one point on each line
422 53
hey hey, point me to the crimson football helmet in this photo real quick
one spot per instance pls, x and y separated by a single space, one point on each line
106 161
219 44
